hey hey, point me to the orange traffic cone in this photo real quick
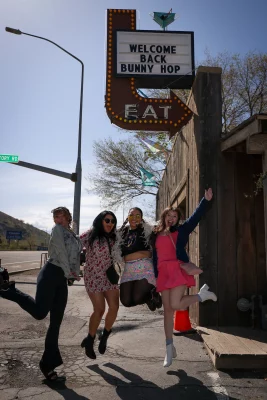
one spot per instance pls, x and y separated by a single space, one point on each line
181 321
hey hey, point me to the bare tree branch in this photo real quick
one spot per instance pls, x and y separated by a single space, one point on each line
118 179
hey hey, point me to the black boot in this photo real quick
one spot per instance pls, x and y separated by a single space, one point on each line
103 340
151 304
157 299
88 343
5 283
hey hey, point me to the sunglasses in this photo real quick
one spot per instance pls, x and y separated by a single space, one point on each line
137 216
108 220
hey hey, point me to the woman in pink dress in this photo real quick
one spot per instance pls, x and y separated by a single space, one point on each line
169 258
99 242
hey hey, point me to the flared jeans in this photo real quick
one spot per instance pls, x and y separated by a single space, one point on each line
51 296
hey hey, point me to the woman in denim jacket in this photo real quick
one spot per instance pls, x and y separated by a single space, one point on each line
52 292
169 255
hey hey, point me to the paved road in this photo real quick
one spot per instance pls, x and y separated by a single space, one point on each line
131 368
20 260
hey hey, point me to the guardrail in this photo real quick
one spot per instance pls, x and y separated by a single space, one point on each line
43 259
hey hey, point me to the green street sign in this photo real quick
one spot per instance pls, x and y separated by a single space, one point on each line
9 158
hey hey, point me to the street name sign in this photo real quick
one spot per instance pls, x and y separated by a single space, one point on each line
9 158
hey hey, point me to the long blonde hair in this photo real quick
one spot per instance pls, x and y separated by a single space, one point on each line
162 225
65 211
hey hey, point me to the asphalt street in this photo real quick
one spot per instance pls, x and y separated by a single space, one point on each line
20 260
132 367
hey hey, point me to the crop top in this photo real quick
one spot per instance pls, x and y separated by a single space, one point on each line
134 241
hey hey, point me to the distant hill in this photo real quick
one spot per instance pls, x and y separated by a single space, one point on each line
31 237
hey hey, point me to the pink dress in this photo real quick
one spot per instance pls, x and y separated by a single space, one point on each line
96 263
170 274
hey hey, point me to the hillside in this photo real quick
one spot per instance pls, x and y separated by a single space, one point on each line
31 236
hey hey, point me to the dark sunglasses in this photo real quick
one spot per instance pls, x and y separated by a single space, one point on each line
108 220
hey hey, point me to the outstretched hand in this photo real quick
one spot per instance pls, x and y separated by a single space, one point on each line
208 194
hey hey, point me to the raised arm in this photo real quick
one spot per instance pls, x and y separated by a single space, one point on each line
84 238
190 224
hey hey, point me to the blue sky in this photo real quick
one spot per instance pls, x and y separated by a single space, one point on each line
39 96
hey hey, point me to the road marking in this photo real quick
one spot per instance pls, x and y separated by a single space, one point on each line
22 262
219 391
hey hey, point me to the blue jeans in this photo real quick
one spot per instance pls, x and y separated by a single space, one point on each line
51 295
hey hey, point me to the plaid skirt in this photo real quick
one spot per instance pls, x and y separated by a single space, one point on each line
142 268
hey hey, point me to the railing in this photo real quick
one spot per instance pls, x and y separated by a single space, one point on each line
43 259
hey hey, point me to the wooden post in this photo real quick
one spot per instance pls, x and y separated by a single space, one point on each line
207 134
264 168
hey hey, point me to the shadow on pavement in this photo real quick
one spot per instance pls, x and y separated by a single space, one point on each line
186 388
193 335
245 374
64 391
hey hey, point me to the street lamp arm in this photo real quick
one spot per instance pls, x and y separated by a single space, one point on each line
77 177
50 41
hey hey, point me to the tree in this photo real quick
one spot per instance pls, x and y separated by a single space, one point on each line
244 93
117 178
244 85
31 240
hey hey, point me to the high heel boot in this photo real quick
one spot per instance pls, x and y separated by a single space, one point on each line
103 340
88 344
5 283
170 354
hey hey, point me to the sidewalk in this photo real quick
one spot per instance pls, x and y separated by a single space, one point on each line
131 369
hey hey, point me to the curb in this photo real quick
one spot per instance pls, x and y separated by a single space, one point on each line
23 270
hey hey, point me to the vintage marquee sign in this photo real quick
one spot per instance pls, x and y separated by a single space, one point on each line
155 54
124 105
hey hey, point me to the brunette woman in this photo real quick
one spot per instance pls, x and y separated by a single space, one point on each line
138 280
99 242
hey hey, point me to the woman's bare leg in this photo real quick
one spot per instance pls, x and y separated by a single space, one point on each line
179 301
168 327
112 297
98 301
168 314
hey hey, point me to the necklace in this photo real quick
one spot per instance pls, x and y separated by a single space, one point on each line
130 239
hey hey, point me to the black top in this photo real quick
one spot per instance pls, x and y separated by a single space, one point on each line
133 241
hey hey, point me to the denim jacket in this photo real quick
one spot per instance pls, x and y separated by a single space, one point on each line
184 231
64 251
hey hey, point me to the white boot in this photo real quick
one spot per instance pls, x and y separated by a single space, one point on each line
205 294
170 353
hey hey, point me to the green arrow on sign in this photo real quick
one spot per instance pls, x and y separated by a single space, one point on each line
9 158
163 19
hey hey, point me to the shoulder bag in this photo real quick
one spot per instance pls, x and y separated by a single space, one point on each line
189 268
111 272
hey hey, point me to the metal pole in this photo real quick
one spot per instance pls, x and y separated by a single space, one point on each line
78 182
50 171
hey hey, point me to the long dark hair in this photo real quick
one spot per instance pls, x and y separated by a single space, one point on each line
98 231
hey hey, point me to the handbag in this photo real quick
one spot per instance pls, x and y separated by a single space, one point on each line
189 268
111 272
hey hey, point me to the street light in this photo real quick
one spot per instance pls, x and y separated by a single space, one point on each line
78 170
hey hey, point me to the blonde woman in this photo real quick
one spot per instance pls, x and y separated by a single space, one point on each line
169 256
63 266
